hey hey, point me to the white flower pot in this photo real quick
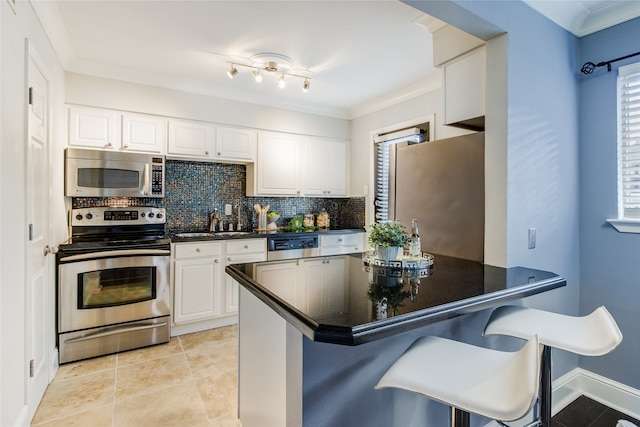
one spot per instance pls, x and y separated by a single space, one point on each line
389 253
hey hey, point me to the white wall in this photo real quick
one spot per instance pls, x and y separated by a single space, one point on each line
100 92
15 29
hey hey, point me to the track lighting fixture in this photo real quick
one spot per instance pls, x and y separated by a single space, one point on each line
232 72
270 63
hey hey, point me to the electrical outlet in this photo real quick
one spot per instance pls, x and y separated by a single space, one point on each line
532 238
227 209
293 210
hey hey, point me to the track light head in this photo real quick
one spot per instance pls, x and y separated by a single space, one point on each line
282 83
232 71
256 75
305 85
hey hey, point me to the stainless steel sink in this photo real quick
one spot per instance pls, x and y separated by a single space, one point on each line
187 235
230 233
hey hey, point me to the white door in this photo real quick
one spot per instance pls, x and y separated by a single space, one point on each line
37 311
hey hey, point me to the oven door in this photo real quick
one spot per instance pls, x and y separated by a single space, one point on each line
112 287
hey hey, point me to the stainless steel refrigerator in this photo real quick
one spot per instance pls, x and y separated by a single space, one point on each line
441 183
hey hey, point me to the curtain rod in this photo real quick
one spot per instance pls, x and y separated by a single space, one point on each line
588 67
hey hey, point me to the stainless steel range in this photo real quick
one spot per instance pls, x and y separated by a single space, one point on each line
113 282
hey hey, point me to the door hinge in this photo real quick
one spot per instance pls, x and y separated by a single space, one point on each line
31 368
31 95
30 232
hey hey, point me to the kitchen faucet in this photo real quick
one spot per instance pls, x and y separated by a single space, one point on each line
213 220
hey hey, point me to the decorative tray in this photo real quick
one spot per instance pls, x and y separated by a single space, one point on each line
425 261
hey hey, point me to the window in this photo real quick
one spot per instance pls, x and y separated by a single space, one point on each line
628 149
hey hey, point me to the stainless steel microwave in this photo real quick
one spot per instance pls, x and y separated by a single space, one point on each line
96 173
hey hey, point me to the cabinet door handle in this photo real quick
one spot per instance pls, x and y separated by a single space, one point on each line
216 261
246 246
229 259
219 153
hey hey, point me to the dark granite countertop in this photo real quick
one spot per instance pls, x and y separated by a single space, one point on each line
223 235
357 306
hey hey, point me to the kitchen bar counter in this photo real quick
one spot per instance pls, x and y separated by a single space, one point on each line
316 334
369 305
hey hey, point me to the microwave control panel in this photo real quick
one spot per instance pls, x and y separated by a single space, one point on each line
157 178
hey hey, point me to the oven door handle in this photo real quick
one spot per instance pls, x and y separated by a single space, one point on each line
128 328
110 254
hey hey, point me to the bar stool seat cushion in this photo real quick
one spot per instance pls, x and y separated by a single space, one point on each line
495 384
592 335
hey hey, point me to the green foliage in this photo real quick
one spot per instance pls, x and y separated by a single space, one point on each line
389 233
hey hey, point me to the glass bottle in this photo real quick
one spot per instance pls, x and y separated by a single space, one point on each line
415 248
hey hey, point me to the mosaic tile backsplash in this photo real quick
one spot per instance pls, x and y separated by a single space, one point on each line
195 189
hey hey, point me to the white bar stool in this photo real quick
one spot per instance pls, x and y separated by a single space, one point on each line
592 335
495 384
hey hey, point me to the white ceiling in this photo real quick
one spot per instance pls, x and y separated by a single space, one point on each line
358 54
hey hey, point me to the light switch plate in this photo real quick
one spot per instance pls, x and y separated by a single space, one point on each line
532 238
227 209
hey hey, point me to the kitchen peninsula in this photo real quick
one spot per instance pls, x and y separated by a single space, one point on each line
316 334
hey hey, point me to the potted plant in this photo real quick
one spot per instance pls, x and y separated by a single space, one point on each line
388 238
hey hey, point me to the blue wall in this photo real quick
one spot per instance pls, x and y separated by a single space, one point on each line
609 260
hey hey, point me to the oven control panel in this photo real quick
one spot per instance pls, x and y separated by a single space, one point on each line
117 216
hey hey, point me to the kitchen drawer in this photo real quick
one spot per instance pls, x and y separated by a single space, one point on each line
197 249
246 246
351 239
245 258
337 244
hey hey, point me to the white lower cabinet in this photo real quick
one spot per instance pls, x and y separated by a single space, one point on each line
325 280
204 296
197 271
316 286
239 252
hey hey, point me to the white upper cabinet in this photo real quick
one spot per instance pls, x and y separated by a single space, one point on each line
326 168
94 128
277 168
142 132
236 144
295 165
115 130
191 139
464 88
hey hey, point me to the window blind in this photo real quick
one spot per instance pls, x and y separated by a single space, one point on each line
629 140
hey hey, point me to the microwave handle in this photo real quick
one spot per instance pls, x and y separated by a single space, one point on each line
145 189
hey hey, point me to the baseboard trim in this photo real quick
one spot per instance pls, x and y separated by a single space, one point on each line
198 326
578 382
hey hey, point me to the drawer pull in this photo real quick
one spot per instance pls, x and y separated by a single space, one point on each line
197 249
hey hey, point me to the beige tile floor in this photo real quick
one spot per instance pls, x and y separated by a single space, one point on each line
190 381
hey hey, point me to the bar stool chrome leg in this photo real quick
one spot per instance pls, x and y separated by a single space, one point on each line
545 387
460 418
